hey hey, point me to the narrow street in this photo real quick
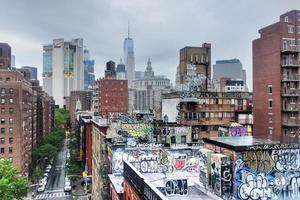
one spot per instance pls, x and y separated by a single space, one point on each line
55 185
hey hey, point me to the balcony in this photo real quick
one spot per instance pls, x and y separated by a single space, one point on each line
292 92
290 78
291 122
291 107
291 48
245 121
290 63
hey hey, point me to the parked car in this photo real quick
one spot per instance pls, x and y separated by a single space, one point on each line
68 186
43 181
45 175
41 188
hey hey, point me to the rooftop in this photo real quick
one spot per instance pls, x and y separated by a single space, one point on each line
117 182
245 143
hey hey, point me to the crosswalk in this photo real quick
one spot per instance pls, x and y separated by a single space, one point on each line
52 195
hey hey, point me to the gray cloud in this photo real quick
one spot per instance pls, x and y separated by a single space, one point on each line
159 28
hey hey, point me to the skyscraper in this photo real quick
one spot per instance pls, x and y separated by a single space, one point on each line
276 62
89 76
63 68
121 73
5 56
228 68
33 72
129 59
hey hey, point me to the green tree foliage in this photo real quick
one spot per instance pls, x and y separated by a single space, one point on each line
11 186
46 150
37 174
62 118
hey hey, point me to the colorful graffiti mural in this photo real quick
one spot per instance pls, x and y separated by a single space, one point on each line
268 173
178 187
221 175
137 130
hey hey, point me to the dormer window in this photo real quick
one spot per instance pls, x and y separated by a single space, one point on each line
286 19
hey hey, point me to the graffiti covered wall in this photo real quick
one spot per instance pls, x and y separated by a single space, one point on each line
268 172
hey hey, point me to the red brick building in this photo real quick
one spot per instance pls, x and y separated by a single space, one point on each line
16 119
276 62
113 97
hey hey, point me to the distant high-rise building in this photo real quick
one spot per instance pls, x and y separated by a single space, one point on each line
145 96
63 68
228 68
121 72
89 76
139 75
129 59
13 61
276 62
33 72
110 71
198 56
5 56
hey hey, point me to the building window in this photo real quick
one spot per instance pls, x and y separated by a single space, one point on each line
2 140
2 100
11 90
286 19
270 103
10 150
2 150
11 130
270 89
290 28
298 16
299 29
2 111
10 159
2 90
2 121
7 79
2 130
11 100
11 140
183 139
11 111
10 121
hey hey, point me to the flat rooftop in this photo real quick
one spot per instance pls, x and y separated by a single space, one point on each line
117 182
245 143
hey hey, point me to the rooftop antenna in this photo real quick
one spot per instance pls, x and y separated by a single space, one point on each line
128 29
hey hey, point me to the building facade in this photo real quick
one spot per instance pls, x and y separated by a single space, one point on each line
198 56
100 187
33 72
148 90
276 62
63 68
206 111
16 120
78 101
89 76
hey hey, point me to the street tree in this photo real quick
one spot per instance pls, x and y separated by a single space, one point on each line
43 151
11 186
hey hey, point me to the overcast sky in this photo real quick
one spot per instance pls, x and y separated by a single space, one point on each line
159 28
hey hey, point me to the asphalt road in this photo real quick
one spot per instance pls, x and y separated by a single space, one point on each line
56 180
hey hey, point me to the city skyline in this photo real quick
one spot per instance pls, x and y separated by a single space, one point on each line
156 28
